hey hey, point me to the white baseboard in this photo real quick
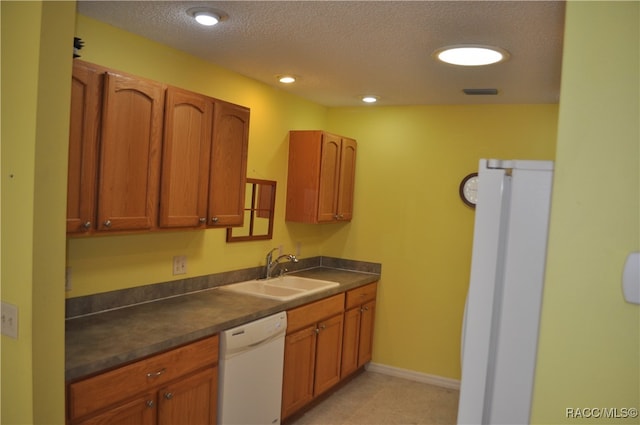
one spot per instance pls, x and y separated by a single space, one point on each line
453 384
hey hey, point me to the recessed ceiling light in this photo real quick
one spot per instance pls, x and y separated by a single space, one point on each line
206 16
207 19
471 55
369 99
286 79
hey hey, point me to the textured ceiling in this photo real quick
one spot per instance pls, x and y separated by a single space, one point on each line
343 49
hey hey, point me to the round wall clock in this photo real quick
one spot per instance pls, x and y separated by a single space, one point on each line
469 189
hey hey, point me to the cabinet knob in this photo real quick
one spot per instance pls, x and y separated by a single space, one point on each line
335 216
107 223
363 309
150 404
317 331
86 225
214 219
168 396
203 220
323 327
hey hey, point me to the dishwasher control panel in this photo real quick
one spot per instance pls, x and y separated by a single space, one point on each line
253 333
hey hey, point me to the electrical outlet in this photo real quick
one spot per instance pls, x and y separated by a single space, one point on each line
298 248
280 250
9 320
67 279
179 264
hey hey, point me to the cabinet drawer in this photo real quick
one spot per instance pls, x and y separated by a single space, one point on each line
119 384
361 295
314 312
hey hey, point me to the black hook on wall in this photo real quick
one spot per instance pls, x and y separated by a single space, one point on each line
77 45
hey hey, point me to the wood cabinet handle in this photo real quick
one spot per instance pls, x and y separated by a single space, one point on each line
156 374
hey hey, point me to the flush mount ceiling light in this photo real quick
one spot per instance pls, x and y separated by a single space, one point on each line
207 19
286 79
471 55
206 16
369 99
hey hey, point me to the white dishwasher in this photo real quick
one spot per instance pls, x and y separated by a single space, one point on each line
251 363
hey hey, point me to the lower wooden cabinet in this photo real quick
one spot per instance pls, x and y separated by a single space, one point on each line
312 353
135 411
191 400
357 343
175 387
326 341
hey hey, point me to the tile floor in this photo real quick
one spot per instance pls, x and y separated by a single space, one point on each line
377 399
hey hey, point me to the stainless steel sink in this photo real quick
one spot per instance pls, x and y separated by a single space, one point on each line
282 288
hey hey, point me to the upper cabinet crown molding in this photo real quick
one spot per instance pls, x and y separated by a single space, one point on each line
321 180
140 163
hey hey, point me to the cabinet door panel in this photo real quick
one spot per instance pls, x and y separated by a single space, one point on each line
329 174
299 360
228 165
347 179
138 411
185 159
350 340
367 318
328 354
86 86
130 153
191 400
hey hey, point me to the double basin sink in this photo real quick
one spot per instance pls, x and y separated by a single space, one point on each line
283 288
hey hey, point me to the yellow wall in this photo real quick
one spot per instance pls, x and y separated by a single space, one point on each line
409 216
589 352
36 65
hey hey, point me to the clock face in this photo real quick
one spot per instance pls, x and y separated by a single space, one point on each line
469 189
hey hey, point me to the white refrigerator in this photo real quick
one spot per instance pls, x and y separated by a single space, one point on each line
502 312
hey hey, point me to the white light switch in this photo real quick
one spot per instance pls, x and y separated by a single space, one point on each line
9 319
631 278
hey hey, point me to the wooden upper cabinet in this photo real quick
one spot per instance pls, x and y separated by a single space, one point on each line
321 177
185 159
228 173
146 156
86 96
346 185
329 177
131 139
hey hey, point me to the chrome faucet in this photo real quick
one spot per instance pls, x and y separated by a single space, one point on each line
271 264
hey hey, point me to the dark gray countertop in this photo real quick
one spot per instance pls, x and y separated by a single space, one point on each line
102 341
